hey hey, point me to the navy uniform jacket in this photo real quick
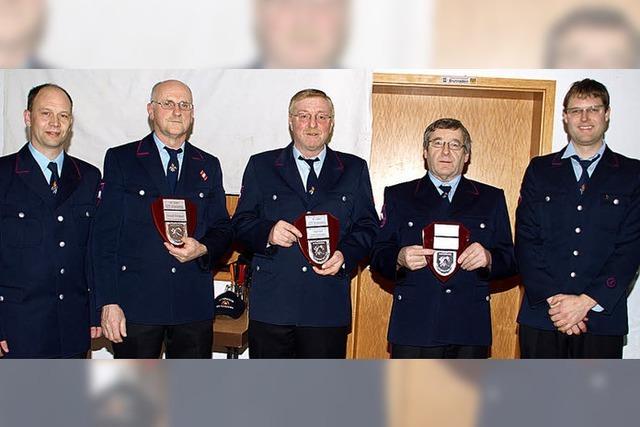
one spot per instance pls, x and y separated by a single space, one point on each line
425 311
285 289
572 244
132 266
44 292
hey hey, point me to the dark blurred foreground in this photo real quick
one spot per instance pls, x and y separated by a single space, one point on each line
317 393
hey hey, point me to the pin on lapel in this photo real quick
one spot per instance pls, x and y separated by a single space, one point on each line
312 190
172 167
203 175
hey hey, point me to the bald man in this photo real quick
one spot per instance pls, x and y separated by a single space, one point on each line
153 293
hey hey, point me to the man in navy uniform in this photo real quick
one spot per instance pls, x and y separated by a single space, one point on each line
578 237
430 318
47 204
298 310
151 292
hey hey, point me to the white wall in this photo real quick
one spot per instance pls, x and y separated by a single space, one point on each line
203 33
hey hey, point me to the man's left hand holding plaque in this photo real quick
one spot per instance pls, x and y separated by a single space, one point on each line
319 241
175 219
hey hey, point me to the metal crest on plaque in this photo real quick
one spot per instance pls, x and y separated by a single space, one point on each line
320 232
447 239
175 218
319 250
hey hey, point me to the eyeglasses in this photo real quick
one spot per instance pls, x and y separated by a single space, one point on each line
577 111
171 105
454 144
305 117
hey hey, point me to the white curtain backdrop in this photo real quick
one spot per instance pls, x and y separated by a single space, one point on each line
237 112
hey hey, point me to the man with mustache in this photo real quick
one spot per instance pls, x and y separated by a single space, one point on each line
155 294
299 310
47 205
433 318
578 237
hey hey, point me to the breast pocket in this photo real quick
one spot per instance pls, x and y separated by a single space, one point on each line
10 295
341 205
551 208
137 201
480 228
282 204
612 208
201 198
410 230
21 226
83 215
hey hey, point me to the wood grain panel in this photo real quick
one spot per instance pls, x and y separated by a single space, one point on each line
432 393
473 34
508 119
223 273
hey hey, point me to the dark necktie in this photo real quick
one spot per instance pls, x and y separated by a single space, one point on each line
312 179
53 182
173 168
584 177
445 192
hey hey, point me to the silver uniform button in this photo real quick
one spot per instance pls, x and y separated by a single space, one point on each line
60 218
308 212
410 223
482 225
201 195
61 297
578 230
616 201
173 269
399 297
1 298
344 198
304 269
21 215
61 244
448 291
487 298
579 208
87 214
123 268
141 192
62 271
257 268
547 199
274 197
576 253
573 274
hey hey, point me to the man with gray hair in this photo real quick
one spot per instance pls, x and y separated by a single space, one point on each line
154 290
441 312
300 308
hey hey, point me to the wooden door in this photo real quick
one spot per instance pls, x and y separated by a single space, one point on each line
510 120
